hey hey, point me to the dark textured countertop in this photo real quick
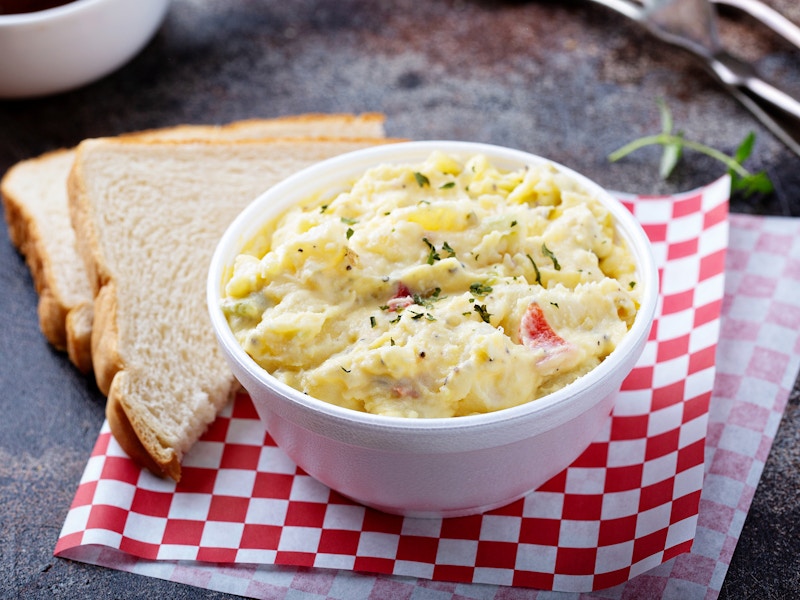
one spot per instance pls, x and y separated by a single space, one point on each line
568 80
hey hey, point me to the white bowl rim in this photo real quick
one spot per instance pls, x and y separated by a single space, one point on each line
411 151
73 6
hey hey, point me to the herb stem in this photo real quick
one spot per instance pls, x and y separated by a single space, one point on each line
674 143
665 139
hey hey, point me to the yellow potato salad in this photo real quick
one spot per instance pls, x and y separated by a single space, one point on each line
439 289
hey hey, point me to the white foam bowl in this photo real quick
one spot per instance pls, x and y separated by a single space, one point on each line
441 467
65 47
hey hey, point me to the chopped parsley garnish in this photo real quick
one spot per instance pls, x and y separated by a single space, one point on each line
433 255
349 221
349 232
513 223
372 322
480 289
422 181
551 256
481 310
428 299
536 270
323 208
448 185
632 284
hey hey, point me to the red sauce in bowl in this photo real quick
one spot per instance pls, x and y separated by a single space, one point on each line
14 7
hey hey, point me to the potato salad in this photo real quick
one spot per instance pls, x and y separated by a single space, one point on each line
445 288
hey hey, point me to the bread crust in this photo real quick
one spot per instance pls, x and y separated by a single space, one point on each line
135 438
27 237
102 350
106 359
164 464
370 124
78 325
80 218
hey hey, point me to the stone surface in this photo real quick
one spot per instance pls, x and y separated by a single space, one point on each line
568 80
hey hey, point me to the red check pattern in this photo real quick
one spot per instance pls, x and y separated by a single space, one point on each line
626 505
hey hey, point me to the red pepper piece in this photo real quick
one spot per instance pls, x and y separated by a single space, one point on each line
402 298
535 333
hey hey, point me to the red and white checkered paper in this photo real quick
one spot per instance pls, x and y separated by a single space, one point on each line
625 506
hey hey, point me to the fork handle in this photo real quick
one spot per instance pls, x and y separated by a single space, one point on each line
768 16
787 131
735 72
776 110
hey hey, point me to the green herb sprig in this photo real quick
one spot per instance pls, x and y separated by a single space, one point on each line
675 143
433 254
484 314
535 270
422 180
479 289
549 254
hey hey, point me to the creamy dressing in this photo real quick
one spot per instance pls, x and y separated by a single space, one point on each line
444 288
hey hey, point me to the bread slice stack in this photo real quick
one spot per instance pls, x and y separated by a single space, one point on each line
119 233
34 196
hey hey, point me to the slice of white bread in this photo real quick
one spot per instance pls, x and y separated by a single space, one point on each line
148 216
34 197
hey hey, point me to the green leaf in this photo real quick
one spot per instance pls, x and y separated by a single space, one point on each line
480 289
535 270
669 158
422 181
758 183
433 255
673 148
745 148
484 314
546 251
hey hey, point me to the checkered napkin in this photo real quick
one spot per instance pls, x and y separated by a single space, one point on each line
625 506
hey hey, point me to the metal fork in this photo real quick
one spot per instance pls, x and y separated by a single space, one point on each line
768 16
692 24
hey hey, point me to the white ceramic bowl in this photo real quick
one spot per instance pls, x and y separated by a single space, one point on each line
429 467
62 48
